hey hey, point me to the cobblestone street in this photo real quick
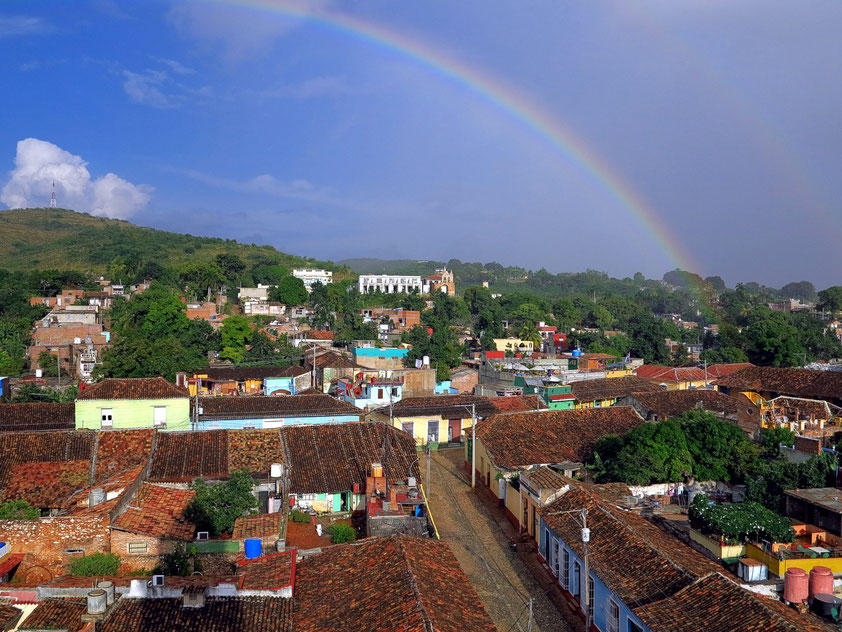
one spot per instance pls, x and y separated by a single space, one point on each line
501 578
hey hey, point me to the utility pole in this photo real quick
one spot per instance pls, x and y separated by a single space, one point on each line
529 624
473 446
428 471
58 367
586 537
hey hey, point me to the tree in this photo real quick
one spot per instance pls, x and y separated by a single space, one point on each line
342 532
738 523
352 327
18 510
801 290
601 317
831 299
231 266
235 332
48 363
290 291
647 335
773 438
269 274
712 443
215 508
529 331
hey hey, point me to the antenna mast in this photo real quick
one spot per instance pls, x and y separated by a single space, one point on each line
53 196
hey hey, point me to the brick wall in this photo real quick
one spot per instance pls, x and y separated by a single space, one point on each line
46 540
465 383
155 547
808 445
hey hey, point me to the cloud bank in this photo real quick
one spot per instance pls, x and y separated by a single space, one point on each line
39 163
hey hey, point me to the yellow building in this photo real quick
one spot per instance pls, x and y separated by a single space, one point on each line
605 392
514 345
435 420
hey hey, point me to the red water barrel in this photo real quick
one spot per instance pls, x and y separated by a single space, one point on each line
796 586
821 581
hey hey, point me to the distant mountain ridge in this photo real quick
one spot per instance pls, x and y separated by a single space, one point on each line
64 239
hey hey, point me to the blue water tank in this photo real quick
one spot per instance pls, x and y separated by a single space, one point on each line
577 353
254 548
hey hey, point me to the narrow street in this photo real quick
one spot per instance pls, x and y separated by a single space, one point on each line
501 579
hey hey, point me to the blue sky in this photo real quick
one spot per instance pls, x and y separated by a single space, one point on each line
216 118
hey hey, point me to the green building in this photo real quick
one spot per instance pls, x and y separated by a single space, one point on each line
557 396
133 403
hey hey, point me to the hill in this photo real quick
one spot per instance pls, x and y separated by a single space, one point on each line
365 265
63 239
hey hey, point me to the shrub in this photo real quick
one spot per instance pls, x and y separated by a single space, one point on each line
216 507
18 510
739 522
297 515
95 564
342 532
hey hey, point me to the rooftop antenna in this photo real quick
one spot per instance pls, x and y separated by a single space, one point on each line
53 196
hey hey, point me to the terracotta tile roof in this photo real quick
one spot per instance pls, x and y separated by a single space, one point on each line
610 388
635 559
184 456
445 406
721 370
673 403
555 436
259 526
118 450
244 614
255 450
56 614
77 503
670 374
794 382
717 604
798 408
516 404
33 417
331 360
242 373
8 616
315 334
268 572
45 484
261 407
133 388
410 584
545 478
326 458
41 447
159 512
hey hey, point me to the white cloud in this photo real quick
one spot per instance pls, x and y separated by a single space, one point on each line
176 66
145 88
39 163
238 33
22 25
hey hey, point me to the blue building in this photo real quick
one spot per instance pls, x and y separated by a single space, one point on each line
273 412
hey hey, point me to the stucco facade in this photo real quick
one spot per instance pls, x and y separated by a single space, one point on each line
166 414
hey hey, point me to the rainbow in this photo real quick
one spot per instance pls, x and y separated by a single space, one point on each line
501 96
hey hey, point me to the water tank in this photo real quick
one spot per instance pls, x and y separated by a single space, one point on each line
411 482
254 548
577 353
97 601
376 470
108 587
821 581
96 497
276 470
796 586
825 604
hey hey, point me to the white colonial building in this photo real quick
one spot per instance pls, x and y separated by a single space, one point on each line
311 277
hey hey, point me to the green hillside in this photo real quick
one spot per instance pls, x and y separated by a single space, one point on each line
62 239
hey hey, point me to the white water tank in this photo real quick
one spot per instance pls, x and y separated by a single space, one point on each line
276 470
138 589
97 601
108 587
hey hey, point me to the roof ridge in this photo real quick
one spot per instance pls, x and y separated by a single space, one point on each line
426 619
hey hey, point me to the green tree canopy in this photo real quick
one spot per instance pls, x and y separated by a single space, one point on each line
215 507
290 291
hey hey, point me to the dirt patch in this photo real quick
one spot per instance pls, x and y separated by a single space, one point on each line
303 535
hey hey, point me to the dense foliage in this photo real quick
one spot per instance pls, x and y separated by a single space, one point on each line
739 522
216 507
95 565
779 474
18 510
342 532
697 444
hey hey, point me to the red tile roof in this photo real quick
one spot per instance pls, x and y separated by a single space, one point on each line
34 417
133 388
717 604
522 439
610 388
184 456
263 407
326 458
242 373
670 374
118 484
316 334
793 382
635 559
721 370
258 526
8 616
56 614
159 512
118 450
666 404
444 406
516 403
268 572
390 583
47 484
243 614
255 450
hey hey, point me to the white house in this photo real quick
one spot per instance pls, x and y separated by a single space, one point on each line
311 276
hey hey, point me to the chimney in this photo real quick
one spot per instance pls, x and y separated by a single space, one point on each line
138 589
96 497
193 597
